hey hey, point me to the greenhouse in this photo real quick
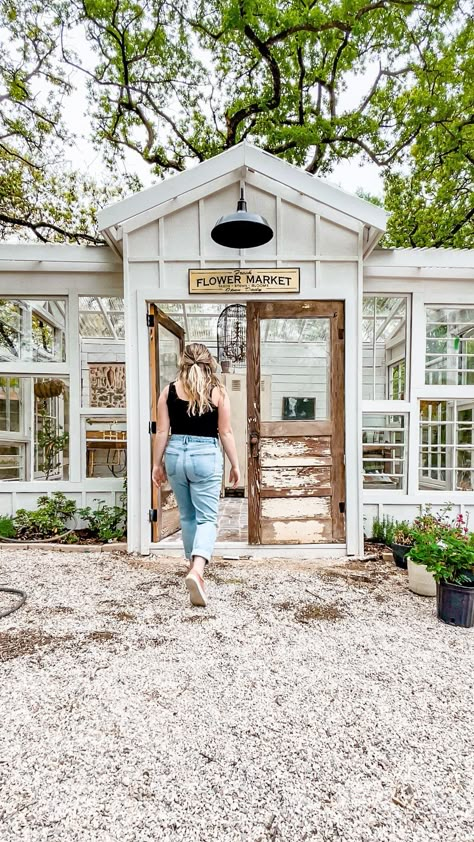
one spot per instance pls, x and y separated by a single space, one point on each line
350 367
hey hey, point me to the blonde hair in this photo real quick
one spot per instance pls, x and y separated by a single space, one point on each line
197 375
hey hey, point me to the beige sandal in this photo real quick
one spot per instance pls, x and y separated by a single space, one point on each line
195 586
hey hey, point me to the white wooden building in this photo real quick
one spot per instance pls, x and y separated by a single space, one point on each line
355 397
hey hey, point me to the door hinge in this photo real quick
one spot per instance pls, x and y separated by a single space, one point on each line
152 427
153 515
341 333
342 507
150 320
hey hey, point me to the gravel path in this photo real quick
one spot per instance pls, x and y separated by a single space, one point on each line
305 703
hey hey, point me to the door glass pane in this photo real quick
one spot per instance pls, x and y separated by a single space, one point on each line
169 356
295 369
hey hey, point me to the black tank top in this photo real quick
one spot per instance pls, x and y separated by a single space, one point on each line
183 424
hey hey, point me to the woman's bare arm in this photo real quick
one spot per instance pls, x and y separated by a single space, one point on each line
161 438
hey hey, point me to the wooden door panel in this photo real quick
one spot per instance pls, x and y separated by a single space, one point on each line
284 451
296 467
162 499
169 520
298 520
296 481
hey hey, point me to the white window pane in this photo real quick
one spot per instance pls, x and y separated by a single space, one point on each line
384 444
33 331
449 346
384 345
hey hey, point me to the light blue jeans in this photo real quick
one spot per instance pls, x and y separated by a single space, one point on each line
194 467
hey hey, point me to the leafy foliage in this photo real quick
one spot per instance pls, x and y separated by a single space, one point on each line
450 559
107 523
50 442
382 530
7 527
402 533
179 83
50 518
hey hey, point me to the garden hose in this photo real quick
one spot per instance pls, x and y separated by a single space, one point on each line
18 605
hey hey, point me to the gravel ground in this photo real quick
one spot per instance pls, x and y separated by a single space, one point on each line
307 702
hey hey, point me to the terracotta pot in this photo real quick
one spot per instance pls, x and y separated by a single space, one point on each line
225 366
420 581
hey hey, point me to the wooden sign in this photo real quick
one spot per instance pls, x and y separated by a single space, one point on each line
237 281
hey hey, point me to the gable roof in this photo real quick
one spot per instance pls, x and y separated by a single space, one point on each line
243 155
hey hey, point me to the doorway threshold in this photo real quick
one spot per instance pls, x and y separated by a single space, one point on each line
238 549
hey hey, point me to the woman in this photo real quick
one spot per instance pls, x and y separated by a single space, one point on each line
196 408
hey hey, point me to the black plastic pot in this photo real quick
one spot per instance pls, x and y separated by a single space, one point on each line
455 604
400 551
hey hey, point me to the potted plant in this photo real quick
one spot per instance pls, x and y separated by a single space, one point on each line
402 542
420 580
451 561
436 526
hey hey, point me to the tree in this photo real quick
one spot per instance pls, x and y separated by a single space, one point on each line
432 202
181 82
40 196
178 82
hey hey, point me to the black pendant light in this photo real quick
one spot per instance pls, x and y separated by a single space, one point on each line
241 230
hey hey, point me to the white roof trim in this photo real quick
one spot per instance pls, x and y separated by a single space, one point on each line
244 155
55 256
422 257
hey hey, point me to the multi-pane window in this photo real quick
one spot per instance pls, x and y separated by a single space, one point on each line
34 428
446 445
51 426
33 330
12 450
449 346
384 450
384 332
103 386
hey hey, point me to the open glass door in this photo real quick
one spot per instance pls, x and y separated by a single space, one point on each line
295 403
166 339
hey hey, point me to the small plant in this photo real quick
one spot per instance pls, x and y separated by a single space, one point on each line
402 533
49 519
382 530
7 527
107 523
450 559
440 524
51 442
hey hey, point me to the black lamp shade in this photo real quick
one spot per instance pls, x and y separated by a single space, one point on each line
241 230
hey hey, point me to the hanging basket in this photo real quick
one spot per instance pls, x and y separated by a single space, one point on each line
49 389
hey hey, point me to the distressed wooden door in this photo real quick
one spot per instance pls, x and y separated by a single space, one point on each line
166 339
296 435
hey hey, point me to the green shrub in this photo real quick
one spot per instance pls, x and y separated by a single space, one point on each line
402 533
50 518
382 530
107 523
7 527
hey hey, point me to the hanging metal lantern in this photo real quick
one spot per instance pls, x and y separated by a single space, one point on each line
232 335
241 230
